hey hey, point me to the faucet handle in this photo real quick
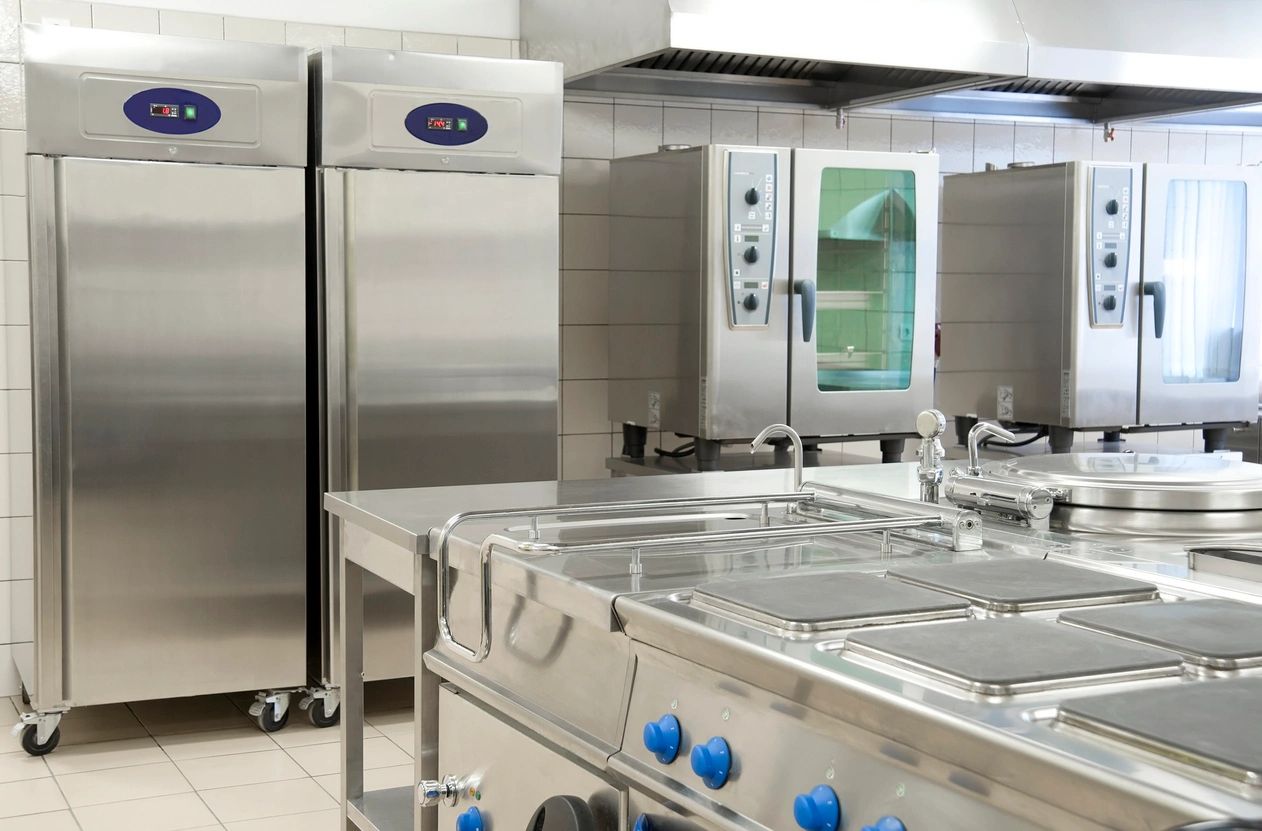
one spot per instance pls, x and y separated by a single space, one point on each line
930 424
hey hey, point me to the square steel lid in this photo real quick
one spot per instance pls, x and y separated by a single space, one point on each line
1013 655
1215 725
1025 585
819 601
1222 634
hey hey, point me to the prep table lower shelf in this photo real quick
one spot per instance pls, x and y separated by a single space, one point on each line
385 810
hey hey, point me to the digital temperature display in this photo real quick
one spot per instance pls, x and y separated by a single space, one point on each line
460 125
187 112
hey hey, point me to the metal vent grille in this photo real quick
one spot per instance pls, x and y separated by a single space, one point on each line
792 69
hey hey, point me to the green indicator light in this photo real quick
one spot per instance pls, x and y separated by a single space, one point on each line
462 125
190 112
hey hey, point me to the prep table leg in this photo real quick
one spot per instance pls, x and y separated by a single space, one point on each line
351 634
425 689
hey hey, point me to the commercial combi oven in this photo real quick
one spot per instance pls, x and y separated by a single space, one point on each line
754 285
1098 296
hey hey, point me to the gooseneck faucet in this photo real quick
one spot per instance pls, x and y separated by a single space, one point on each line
785 430
980 430
930 424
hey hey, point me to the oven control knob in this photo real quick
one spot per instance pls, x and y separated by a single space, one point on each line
661 738
1109 303
751 254
818 810
1110 207
751 196
712 761
470 820
886 824
1110 260
750 302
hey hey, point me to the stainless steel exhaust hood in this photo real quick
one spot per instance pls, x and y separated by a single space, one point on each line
1124 60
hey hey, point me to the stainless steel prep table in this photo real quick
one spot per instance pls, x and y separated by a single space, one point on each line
389 533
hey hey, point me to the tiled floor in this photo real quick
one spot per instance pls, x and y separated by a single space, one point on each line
197 763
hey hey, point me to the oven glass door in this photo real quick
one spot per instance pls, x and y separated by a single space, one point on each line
1199 313
864 255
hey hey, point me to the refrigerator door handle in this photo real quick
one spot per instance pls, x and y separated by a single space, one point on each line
806 288
1157 291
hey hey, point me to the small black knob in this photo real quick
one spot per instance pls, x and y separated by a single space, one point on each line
751 196
1109 303
1110 207
751 254
751 302
1110 260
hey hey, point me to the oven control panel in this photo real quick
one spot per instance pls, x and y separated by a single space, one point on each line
751 238
1108 263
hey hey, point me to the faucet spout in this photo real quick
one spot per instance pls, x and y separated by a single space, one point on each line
975 436
784 430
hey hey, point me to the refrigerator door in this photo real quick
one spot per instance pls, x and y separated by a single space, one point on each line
170 361
450 319
865 242
1199 317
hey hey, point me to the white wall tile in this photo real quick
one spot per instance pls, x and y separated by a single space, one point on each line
780 129
1224 148
585 407
584 352
585 186
124 18
685 125
21 611
57 12
10 30
821 131
908 135
584 242
588 130
583 457
1116 150
1071 144
15 358
1187 148
12 162
17 548
6 612
16 473
13 242
1252 149
12 97
953 142
426 42
253 31
1150 145
1033 143
733 126
373 38
9 681
584 297
869 133
994 143
516 44
636 129
485 47
15 292
15 421
190 24
314 35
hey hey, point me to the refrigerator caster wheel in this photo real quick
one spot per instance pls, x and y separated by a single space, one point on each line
315 713
30 741
268 722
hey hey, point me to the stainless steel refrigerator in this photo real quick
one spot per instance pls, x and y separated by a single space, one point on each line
436 220
166 207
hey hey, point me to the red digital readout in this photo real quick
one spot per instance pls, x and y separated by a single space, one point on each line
439 123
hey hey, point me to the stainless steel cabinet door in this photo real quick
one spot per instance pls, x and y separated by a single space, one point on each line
1199 344
177 300
865 234
452 315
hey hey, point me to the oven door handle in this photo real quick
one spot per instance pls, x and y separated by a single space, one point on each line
1157 291
806 288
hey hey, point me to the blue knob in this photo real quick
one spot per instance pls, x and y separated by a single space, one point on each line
661 738
642 823
712 761
818 810
470 820
886 824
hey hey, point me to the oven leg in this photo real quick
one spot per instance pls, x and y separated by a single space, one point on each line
1061 439
1216 438
892 450
634 438
707 452
962 425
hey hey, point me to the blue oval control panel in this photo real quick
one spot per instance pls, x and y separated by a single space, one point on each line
447 124
172 111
